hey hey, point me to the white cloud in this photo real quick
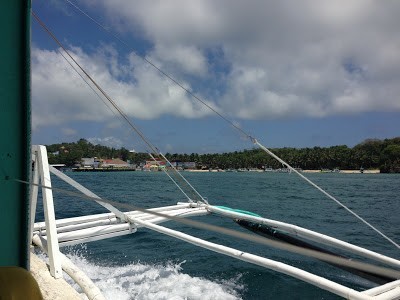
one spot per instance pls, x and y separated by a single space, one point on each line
108 141
314 58
60 95
187 59
280 59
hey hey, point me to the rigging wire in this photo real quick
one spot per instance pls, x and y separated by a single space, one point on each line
328 195
384 271
187 182
88 84
105 103
154 149
95 83
175 81
183 192
252 139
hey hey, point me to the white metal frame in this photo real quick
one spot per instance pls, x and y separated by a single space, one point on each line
310 235
71 231
41 172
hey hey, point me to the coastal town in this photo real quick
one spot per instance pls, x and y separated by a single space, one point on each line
94 164
370 156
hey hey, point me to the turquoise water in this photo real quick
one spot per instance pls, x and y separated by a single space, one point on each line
148 265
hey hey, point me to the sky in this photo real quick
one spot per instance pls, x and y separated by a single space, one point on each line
288 73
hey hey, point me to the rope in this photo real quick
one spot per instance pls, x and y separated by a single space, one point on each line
188 183
95 83
88 84
233 233
179 177
177 185
326 193
175 81
120 111
254 140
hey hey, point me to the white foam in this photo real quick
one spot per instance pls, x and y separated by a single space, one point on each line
144 281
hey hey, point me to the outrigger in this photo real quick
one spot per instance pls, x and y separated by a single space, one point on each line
25 170
52 234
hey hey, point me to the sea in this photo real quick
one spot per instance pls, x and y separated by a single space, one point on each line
149 265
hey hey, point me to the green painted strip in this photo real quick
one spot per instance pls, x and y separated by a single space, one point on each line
239 211
14 130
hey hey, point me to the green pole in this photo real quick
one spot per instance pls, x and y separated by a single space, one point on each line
15 134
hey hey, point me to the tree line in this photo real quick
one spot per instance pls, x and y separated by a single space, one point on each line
370 154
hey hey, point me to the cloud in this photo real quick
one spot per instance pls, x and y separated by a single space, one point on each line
59 95
250 60
314 58
186 59
109 141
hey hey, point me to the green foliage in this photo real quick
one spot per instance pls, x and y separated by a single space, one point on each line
390 159
72 153
370 154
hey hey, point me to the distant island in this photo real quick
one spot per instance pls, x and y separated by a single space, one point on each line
370 154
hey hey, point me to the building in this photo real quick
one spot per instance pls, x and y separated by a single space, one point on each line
181 165
115 163
90 162
87 162
154 165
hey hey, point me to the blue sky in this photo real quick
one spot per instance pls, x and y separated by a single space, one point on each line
291 74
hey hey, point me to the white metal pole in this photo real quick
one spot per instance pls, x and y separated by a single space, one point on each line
309 234
87 192
49 215
33 195
315 280
104 216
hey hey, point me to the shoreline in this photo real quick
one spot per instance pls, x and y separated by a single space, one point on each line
372 171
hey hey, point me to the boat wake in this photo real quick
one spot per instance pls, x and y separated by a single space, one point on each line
146 281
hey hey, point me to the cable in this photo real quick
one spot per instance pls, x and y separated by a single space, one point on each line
161 71
327 194
120 111
254 140
88 84
233 233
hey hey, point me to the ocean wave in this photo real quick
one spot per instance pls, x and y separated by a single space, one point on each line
146 281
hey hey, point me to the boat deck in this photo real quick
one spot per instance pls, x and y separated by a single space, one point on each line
51 288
